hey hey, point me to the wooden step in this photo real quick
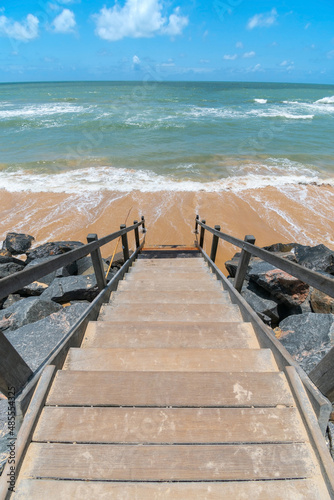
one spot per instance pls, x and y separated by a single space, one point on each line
170 312
168 263
169 425
160 285
182 360
171 297
176 275
170 334
170 271
302 489
168 463
198 389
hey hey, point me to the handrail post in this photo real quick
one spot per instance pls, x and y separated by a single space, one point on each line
201 239
136 234
97 263
243 264
143 223
14 371
196 224
125 244
214 245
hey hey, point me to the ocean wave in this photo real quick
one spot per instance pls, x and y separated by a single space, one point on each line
280 113
325 100
36 111
93 179
261 101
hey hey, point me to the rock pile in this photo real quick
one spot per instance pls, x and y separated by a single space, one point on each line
301 317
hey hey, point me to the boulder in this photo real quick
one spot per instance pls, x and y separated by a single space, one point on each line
11 299
318 258
51 249
58 273
260 301
64 290
6 259
10 268
17 243
34 289
307 337
35 341
321 303
282 286
84 264
27 311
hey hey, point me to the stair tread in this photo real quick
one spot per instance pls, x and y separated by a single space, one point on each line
172 296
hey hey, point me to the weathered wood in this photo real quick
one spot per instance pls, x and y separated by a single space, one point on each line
73 388
313 278
173 334
214 245
159 284
196 224
169 425
312 427
125 244
166 312
137 240
321 405
171 359
97 263
171 463
14 371
306 489
243 263
201 239
26 431
322 375
214 296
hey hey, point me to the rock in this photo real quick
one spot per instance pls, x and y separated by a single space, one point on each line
10 268
51 249
11 299
307 337
232 265
259 300
6 259
27 311
322 303
72 288
84 264
331 438
318 258
17 243
34 342
48 278
33 290
118 260
282 286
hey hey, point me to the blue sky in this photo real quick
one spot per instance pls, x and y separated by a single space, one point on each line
218 40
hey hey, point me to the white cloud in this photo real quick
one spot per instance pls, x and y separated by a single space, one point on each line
262 20
136 60
239 45
137 19
284 63
24 31
229 57
65 22
249 54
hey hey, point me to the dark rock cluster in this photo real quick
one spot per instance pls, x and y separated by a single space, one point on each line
301 317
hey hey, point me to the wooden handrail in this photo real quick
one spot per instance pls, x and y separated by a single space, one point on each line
317 280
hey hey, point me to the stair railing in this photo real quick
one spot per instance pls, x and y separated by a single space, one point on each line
15 375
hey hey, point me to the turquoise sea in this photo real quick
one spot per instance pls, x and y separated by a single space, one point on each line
154 136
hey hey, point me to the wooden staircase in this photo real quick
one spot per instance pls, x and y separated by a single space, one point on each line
170 397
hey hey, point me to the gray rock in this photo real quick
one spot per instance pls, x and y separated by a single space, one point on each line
58 273
27 311
6 260
17 243
318 258
10 268
307 337
34 289
266 308
34 342
84 264
11 299
52 249
322 303
331 438
71 288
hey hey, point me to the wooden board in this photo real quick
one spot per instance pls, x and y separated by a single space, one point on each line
171 334
189 275
171 312
182 360
169 425
171 297
148 263
298 489
170 270
173 285
169 389
168 463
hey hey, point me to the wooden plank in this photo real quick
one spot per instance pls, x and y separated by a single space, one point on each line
14 371
169 425
168 463
171 312
298 489
158 276
171 297
174 285
171 334
73 388
322 375
171 359
170 271
25 433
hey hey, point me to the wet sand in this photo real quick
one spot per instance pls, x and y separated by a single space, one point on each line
299 213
